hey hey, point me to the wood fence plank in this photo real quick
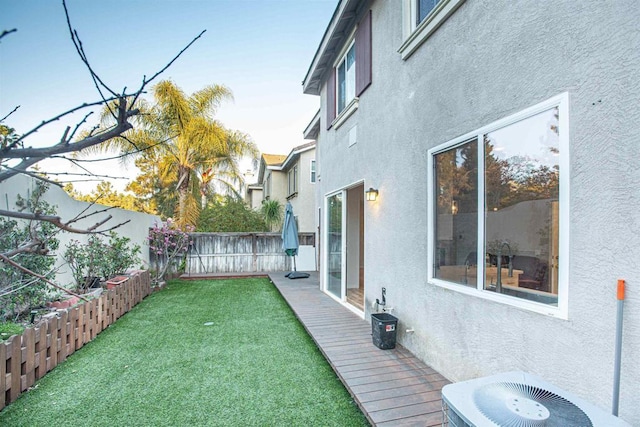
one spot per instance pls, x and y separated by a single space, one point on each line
29 344
52 342
63 336
26 358
70 326
41 350
80 329
3 374
100 312
15 366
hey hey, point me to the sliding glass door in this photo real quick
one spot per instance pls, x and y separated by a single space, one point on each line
335 242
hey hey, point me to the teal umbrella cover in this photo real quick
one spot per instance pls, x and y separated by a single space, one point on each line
290 232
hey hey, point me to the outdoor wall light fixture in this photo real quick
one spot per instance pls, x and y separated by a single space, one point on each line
372 194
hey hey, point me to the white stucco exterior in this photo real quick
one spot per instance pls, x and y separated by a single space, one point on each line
136 227
486 61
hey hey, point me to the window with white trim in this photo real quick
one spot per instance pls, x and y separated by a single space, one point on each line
499 208
421 18
312 169
351 74
292 178
346 79
423 9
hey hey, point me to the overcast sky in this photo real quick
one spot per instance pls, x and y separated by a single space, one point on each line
260 49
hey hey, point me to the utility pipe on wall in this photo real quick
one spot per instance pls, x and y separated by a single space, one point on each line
618 355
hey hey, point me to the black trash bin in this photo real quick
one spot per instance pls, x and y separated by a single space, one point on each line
383 330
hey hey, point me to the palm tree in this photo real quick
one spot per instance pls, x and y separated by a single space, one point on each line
223 177
185 140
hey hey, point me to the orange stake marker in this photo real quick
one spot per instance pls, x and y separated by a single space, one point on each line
620 289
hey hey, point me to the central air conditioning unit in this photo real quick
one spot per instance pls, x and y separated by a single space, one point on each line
518 399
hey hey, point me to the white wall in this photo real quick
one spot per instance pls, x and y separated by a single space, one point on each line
488 60
137 227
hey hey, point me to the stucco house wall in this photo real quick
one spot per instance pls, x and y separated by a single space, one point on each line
490 59
304 202
278 186
253 198
137 227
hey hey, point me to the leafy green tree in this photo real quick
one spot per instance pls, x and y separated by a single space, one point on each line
186 147
106 194
230 215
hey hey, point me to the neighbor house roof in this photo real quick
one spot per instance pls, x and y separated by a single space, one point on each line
279 162
313 128
273 159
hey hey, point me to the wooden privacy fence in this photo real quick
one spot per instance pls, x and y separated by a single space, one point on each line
238 253
26 358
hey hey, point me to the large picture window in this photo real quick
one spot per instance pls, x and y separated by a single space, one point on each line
498 198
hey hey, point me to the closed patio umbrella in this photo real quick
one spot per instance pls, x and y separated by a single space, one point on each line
290 241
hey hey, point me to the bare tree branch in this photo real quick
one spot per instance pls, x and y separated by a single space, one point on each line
49 121
10 113
57 221
145 82
79 48
44 279
25 157
7 32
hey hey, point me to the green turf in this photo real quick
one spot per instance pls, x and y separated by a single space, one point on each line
7 329
159 365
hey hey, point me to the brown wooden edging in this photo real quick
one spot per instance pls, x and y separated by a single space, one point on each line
26 358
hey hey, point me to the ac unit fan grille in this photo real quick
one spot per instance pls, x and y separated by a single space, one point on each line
510 404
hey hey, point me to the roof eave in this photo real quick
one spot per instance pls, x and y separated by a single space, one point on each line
333 38
313 128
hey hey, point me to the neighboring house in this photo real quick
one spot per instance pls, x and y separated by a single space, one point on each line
273 184
502 138
291 178
253 196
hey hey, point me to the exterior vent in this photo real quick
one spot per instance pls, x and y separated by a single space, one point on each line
518 399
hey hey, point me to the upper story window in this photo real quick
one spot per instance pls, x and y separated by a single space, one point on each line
424 8
292 178
421 18
499 210
346 75
351 75
267 187
313 171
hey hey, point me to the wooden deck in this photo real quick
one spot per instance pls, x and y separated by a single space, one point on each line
391 387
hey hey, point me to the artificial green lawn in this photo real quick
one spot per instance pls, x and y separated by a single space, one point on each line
159 365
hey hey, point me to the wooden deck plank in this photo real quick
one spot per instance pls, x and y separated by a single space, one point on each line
391 387
398 413
399 401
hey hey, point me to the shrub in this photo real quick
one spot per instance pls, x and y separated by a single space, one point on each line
230 215
99 259
167 245
19 290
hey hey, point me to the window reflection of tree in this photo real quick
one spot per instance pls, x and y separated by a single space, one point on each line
520 177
